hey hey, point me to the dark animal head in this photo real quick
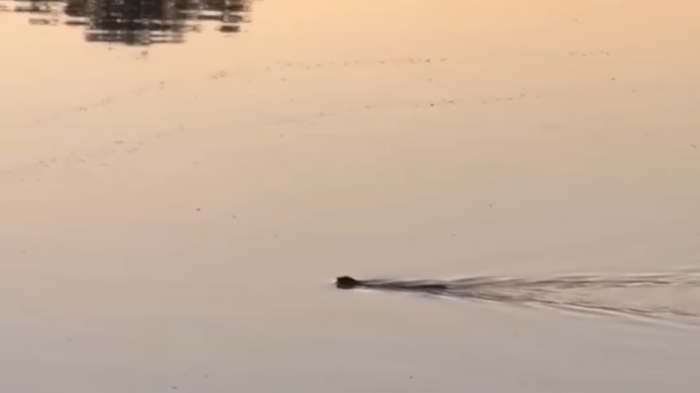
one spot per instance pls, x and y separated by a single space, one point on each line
347 282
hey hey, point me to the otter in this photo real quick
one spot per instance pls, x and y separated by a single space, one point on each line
347 282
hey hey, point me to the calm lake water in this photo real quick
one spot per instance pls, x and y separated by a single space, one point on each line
181 182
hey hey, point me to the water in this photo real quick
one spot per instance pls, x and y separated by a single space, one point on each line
180 183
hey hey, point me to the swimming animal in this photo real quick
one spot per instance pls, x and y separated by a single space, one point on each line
347 282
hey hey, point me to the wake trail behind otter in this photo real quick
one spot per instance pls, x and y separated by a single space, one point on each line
668 295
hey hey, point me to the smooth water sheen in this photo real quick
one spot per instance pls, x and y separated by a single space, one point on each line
180 183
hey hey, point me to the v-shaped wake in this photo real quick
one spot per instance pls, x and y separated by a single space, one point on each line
649 295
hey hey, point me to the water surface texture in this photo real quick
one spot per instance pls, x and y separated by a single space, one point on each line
181 181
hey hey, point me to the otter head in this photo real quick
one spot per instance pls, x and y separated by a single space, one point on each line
346 282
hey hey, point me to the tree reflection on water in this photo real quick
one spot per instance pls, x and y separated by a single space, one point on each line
135 22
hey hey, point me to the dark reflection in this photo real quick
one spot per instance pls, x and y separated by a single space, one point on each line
136 22
589 293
